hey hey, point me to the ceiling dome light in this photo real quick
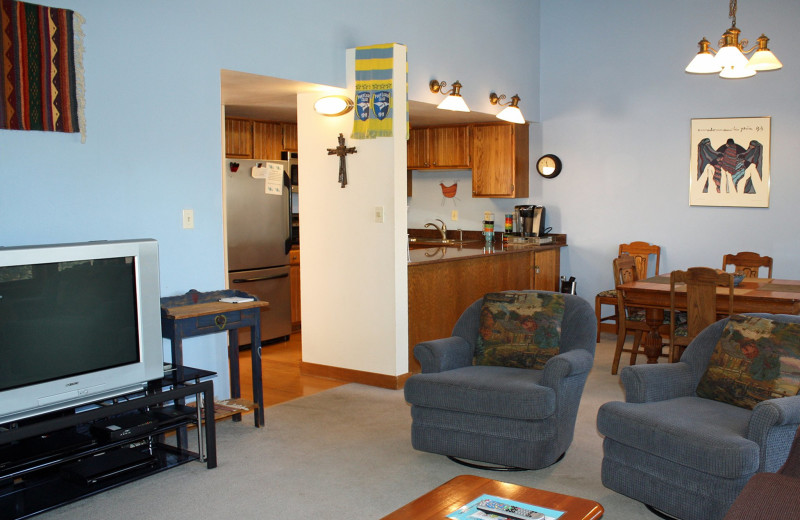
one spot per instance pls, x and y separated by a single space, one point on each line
333 106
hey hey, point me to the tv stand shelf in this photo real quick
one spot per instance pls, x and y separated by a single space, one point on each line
57 459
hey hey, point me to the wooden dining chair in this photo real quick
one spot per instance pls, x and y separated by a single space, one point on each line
700 287
631 319
748 263
641 252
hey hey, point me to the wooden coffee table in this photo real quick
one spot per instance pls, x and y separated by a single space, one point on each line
448 497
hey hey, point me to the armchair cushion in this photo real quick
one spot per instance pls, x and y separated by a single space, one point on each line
701 434
518 329
755 359
505 391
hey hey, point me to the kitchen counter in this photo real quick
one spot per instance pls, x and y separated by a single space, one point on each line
426 253
445 280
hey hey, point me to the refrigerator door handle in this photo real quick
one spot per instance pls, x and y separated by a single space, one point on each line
260 278
287 186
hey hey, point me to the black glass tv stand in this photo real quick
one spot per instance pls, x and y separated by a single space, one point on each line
56 459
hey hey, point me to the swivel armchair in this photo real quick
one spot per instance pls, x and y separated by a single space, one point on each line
691 434
506 416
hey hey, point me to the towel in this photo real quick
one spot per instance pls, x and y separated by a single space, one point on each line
374 91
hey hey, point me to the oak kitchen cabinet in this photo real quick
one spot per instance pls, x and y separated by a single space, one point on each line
238 138
437 295
497 153
267 140
289 133
500 160
252 139
439 147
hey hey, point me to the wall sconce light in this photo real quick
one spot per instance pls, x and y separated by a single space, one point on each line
453 101
511 113
333 106
730 61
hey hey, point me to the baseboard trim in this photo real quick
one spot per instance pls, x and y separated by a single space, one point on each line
354 376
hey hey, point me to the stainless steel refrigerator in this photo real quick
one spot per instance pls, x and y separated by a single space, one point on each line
259 237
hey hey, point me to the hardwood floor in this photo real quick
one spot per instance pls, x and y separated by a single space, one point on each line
281 377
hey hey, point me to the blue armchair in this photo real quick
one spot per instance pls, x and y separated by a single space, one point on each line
685 455
501 415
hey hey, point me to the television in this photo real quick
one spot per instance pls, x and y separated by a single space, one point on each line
78 323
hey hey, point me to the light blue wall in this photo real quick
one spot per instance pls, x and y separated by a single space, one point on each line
616 107
153 112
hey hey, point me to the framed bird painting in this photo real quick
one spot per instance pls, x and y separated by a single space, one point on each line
729 163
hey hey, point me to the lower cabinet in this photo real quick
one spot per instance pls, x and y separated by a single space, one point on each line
294 282
52 460
438 292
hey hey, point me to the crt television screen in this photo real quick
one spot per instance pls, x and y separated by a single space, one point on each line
66 318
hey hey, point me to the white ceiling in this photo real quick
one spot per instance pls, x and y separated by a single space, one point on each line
273 99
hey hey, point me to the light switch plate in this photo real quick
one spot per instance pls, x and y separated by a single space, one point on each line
454 215
379 214
188 219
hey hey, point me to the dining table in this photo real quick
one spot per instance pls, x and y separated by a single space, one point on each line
761 295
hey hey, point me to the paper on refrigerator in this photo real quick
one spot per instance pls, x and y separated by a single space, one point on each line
273 175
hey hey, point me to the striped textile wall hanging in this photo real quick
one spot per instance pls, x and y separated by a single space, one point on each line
374 92
41 62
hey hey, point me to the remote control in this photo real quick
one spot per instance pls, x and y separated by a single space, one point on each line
507 510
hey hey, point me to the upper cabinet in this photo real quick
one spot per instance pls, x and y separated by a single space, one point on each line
238 138
439 147
267 140
249 139
289 136
496 152
500 160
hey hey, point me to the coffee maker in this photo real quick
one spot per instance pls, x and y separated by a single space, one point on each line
530 220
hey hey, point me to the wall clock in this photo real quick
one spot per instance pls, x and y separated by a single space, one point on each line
548 166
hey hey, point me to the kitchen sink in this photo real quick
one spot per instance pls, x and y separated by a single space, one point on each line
434 242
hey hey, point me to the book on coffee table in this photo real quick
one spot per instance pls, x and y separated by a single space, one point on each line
488 507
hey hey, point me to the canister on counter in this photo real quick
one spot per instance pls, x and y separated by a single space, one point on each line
488 226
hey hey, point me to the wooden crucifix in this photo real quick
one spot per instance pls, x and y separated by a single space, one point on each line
342 151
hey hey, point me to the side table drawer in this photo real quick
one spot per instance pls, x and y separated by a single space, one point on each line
221 321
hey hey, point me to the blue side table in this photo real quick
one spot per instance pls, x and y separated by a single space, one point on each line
197 313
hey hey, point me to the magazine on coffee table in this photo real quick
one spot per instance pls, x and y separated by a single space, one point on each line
488 507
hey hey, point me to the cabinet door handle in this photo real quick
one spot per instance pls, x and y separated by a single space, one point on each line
260 278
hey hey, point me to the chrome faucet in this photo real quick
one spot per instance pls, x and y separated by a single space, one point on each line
442 230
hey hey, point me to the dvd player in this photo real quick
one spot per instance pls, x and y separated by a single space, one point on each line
124 426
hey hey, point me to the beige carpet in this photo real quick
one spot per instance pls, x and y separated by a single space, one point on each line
341 454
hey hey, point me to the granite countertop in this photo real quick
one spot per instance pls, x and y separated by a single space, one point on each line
471 248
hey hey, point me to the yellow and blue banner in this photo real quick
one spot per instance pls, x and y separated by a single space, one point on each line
374 91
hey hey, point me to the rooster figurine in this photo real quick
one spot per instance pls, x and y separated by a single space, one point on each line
449 192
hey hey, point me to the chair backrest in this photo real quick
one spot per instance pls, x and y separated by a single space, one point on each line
748 263
701 299
625 270
578 326
641 252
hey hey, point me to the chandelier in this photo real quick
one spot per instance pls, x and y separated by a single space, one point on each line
730 61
